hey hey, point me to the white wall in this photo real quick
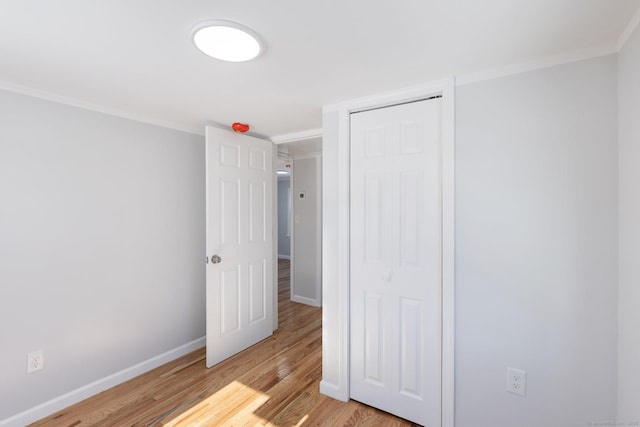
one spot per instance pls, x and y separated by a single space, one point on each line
284 228
102 235
536 246
306 285
629 229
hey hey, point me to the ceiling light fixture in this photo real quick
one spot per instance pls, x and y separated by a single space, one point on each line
227 41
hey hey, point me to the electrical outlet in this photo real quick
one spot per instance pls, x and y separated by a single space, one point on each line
516 381
35 361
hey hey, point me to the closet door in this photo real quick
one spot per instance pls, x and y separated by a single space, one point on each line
396 260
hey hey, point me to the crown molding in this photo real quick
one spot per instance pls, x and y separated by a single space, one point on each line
297 136
72 102
548 62
628 30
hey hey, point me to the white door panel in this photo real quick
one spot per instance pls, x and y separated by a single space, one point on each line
396 260
239 221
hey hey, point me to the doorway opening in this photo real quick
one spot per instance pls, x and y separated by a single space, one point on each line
299 206
285 226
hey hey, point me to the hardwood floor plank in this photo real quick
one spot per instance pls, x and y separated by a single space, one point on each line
273 383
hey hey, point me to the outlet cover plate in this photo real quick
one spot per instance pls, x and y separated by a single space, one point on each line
35 361
516 381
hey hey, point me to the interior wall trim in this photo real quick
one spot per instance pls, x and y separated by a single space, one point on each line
336 217
297 136
628 30
548 62
91 389
72 102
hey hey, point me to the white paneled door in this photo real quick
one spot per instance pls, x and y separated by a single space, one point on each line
396 260
239 242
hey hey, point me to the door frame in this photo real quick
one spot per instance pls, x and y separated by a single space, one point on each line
274 233
335 252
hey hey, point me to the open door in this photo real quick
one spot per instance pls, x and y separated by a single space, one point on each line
239 272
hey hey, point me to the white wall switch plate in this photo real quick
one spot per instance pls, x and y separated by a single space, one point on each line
516 381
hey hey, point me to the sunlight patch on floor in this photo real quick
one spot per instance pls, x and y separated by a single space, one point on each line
219 408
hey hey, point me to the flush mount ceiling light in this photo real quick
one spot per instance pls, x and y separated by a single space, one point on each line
227 41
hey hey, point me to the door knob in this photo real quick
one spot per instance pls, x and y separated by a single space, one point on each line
215 259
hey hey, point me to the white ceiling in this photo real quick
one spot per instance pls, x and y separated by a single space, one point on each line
137 57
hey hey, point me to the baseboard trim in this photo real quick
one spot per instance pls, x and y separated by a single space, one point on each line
79 394
305 300
333 391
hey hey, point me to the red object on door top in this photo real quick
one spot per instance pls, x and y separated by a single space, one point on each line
240 127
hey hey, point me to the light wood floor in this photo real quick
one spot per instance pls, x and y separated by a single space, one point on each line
273 383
